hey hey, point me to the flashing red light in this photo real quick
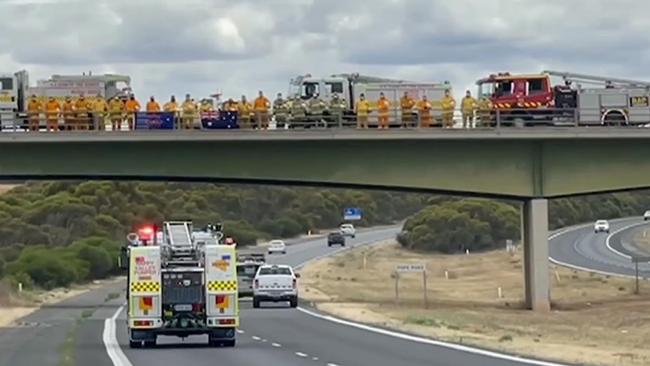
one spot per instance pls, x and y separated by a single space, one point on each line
226 321
146 233
143 323
230 241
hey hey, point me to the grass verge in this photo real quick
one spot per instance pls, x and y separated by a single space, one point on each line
595 319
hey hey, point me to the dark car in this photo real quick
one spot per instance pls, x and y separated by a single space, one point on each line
335 238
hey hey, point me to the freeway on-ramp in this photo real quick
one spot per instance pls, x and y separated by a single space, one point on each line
581 248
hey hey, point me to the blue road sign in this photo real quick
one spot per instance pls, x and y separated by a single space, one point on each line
352 213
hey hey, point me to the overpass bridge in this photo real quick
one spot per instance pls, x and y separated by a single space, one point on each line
529 165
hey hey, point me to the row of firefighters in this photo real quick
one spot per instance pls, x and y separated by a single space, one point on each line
78 114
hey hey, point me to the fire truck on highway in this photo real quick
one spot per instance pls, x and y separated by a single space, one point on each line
180 286
578 98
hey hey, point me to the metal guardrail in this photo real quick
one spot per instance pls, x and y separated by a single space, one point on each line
395 118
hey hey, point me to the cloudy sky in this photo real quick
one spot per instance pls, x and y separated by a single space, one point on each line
240 46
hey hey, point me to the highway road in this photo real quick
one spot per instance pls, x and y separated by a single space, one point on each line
273 335
581 248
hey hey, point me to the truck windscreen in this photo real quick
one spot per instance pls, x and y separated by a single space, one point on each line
6 84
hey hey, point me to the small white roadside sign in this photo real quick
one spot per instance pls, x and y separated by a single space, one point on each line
419 267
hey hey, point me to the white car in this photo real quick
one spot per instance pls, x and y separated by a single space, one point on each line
646 215
348 230
277 246
275 283
601 226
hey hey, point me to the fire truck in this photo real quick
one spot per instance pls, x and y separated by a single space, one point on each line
15 90
350 86
578 99
180 286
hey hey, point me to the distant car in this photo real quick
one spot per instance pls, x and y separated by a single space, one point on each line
601 226
646 215
245 275
348 230
277 246
335 238
276 283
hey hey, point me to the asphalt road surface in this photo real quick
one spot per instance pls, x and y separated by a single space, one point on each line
270 336
582 248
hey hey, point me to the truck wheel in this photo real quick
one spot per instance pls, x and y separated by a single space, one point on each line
229 343
256 302
135 344
293 302
150 343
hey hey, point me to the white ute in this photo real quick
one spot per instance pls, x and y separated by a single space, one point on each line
277 246
275 283
601 226
646 215
348 230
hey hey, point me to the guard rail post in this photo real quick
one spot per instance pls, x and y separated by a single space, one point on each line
397 120
339 119
497 116
575 117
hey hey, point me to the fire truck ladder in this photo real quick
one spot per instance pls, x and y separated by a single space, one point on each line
598 80
179 246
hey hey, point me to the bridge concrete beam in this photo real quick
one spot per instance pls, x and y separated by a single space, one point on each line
536 266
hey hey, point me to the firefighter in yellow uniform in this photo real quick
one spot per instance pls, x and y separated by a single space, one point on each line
34 109
448 106
132 107
189 109
468 106
52 110
99 108
484 112
245 110
407 103
424 111
82 107
362 109
261 105
116 110
171 107
383 108
69 119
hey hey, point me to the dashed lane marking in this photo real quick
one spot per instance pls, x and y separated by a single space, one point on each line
300 354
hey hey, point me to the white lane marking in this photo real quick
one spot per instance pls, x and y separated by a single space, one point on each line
314 358
109 338
256 338
277 345
332 364
300 354
431 342
240 331
264 341
609 237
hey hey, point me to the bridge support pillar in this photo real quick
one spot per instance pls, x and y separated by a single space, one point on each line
536 266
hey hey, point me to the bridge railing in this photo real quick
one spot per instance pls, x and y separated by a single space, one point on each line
394 118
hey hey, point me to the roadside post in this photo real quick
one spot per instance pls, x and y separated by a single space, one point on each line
412 268
636 261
